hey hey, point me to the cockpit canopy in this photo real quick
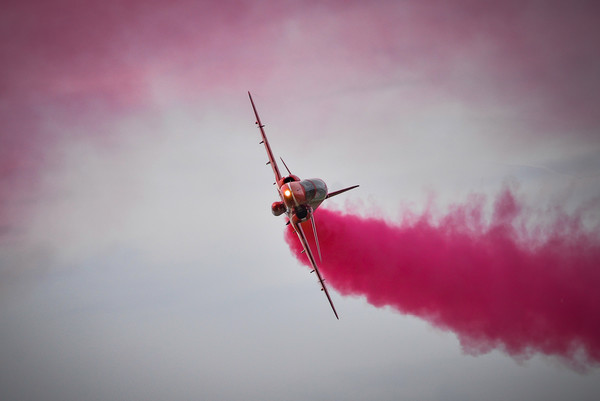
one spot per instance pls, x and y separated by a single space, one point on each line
315 190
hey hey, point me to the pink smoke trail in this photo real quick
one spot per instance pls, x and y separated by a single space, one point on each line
496 285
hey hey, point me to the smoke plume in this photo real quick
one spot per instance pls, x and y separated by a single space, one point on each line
496 282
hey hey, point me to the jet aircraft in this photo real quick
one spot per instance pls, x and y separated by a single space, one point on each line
298 200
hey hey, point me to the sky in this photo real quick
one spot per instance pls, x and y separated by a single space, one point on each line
139 258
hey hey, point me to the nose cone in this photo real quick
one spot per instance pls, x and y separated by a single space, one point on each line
293 194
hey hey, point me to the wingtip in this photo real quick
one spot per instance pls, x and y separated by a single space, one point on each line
335 312
341 191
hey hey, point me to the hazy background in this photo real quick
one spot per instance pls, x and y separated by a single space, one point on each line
138 255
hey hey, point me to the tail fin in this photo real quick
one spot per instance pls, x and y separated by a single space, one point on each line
329 195
286 167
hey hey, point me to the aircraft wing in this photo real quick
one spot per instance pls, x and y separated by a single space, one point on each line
264 141
313 263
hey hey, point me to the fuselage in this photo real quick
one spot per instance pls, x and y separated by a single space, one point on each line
299 198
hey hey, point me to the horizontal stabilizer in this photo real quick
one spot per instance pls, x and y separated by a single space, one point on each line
329 195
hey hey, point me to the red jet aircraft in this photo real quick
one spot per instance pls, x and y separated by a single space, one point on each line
299 199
